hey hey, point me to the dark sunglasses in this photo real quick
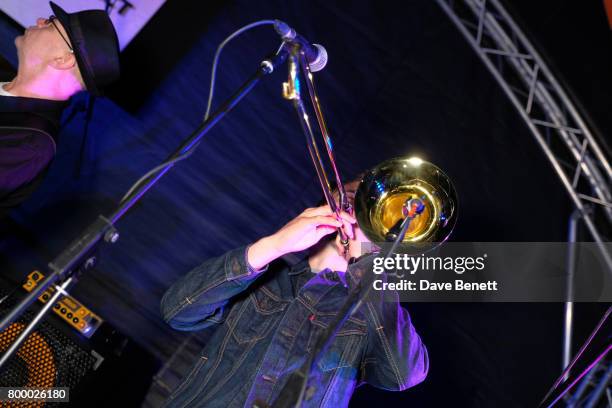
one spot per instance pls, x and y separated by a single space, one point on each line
51 20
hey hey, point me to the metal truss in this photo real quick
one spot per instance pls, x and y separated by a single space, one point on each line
570 146
595 389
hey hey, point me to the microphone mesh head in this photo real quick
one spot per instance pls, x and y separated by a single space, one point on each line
319 63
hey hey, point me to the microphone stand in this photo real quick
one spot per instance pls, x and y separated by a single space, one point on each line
76 255
293 393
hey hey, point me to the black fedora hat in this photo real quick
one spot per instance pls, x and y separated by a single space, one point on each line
95 45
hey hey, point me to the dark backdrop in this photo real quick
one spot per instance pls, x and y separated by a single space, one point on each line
400 80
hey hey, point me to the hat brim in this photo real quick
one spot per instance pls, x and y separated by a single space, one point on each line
60 13
64 18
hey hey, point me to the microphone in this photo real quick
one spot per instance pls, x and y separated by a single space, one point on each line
315 54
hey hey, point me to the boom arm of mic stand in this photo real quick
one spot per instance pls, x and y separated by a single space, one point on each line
63 266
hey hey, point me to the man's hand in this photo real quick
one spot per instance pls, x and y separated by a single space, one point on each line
300 233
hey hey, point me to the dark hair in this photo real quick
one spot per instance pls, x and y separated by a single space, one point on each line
334 188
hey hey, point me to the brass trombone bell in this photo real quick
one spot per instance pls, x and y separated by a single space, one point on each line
380 202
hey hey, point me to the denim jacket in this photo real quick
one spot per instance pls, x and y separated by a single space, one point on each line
267 323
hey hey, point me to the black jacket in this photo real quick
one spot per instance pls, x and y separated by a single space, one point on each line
28 132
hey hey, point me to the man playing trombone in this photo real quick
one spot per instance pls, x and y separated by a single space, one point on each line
269 315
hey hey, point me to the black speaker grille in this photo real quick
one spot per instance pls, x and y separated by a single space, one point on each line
48 357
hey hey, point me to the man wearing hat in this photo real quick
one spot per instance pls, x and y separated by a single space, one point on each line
58 57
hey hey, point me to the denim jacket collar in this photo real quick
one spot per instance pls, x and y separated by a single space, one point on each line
301 273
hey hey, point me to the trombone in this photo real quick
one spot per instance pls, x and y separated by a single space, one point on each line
405 200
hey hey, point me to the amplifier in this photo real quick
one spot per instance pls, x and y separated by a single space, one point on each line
75 348
67 308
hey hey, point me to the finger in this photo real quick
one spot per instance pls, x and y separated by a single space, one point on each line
314 211
348 218
348 229
323 230
326 210
328 220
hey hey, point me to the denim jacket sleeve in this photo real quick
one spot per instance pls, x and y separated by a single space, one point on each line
199 299
395 358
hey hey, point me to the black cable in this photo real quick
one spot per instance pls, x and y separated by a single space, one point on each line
188 152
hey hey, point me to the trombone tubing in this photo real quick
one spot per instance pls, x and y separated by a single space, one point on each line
315 155
314 98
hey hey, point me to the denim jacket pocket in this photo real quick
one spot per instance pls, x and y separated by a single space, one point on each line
344 350
256 316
